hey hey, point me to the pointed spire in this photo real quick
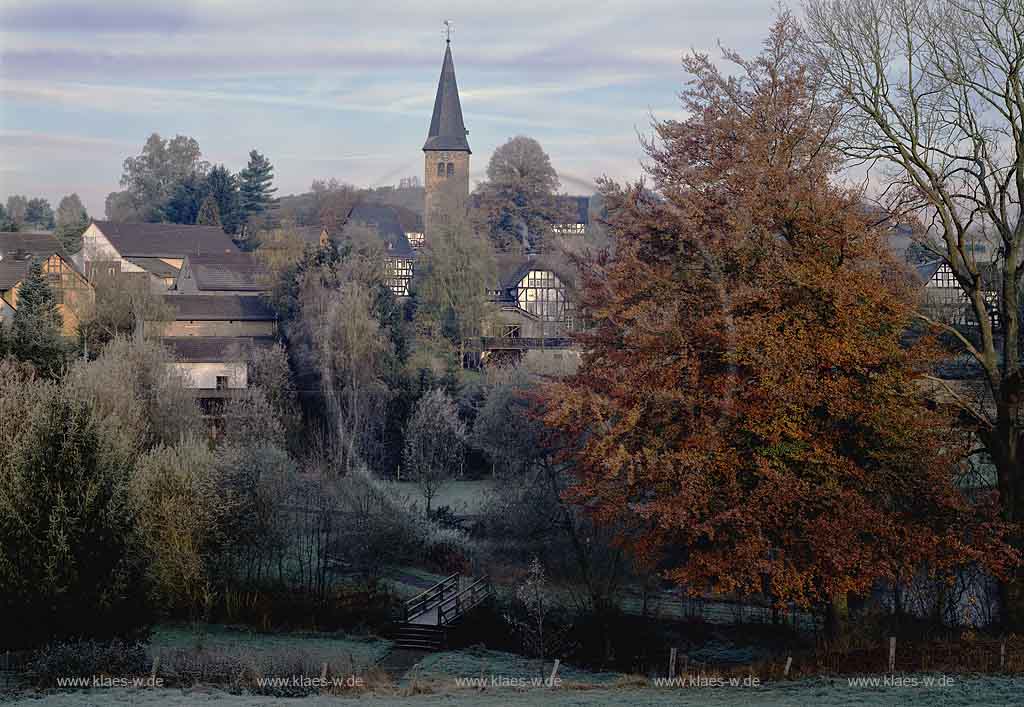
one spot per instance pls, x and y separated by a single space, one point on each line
447 131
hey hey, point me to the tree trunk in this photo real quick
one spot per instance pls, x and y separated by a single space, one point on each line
1004 446
837 615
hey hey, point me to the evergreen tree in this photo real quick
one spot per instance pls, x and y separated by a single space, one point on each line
209 214
36 330
223 187
188 195
256 190
4 343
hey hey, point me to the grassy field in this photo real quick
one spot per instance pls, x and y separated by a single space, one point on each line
823 692
445 668
463 497
358 651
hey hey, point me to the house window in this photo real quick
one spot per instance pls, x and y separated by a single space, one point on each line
512 331
543 295
415 239
440 169
451 169
222 382
398 275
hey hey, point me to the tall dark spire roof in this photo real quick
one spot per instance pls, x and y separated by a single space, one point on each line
447 131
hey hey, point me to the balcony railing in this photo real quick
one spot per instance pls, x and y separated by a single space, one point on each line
491 343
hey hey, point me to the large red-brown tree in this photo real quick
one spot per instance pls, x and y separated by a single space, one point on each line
749 411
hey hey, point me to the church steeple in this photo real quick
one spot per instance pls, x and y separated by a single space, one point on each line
447 130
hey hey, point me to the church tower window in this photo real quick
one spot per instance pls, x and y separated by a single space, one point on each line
451 169
440 169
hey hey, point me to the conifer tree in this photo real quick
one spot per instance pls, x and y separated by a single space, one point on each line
222 185
209 214
255 186
36 330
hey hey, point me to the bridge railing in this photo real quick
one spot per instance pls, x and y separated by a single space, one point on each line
465 600
431 598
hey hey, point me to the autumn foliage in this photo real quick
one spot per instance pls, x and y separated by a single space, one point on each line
750 415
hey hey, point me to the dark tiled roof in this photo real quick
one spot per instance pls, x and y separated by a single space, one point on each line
16 246
154 266
227 271
447 130
926 271
387 222
512 268
991 273
214 349
29 242
12 272
220 308
165 240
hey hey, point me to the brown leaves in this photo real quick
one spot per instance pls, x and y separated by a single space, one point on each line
747 410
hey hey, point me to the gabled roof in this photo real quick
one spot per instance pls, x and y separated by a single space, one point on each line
926 271
19 248
387 222
220 308
154 266
512 268
165 240
227 271
447 130
214 349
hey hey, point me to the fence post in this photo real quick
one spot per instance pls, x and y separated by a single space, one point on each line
892 654
672 663
1002 655
789 664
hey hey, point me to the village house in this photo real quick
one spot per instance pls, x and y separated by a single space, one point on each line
392 225
211 337
218 315
18 251
153 249
214 366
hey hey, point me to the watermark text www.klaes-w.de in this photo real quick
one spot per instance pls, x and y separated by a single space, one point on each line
516 682
708 681
901 681
109 681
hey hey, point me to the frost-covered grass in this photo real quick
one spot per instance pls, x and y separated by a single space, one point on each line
407 582
463 497
823 693
473 662
362 651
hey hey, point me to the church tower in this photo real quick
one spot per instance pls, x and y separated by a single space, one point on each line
446 152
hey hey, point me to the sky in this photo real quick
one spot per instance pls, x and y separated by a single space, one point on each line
330 88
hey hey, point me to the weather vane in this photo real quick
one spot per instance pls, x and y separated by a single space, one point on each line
448 27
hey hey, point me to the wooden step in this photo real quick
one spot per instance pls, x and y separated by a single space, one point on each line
419 637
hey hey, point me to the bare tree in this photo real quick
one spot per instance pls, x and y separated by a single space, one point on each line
932 90
434 438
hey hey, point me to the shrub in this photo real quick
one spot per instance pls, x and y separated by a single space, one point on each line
175 493
85 659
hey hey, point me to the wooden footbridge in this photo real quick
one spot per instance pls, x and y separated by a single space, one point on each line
427 616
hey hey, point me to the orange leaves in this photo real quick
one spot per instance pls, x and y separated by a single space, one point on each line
747 411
